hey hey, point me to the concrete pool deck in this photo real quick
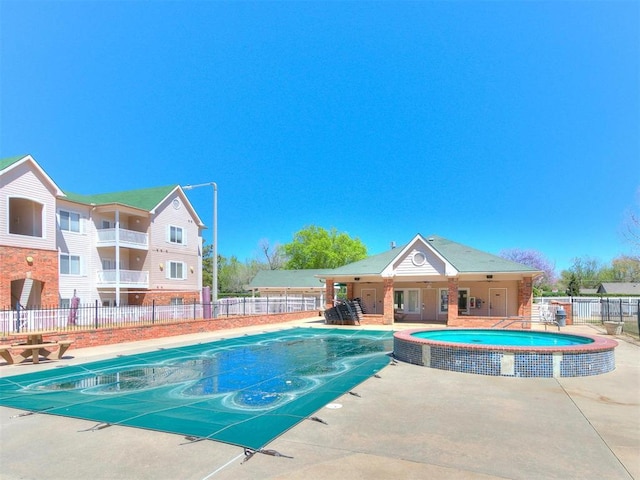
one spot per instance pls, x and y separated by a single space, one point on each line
411 423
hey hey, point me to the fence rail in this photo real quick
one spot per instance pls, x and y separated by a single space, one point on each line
597 310
93 316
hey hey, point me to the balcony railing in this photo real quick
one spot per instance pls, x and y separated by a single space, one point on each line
127 238
137 278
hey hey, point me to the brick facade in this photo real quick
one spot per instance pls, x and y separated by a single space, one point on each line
387 305
20 263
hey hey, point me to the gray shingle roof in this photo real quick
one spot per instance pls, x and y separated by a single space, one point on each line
287 279
620 288
464 258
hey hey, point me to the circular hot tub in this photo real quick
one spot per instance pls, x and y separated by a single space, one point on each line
514 353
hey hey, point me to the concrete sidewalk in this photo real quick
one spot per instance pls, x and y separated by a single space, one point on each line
412 422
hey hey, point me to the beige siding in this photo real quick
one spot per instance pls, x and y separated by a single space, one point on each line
82 244
162 251
23 182
420 262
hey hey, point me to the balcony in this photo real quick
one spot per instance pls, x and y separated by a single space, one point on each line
128 278
126 238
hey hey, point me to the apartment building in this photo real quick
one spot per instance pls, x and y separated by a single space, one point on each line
120 248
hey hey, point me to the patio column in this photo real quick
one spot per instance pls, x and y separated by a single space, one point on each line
329 293
387 303
350 286
525 297
452 313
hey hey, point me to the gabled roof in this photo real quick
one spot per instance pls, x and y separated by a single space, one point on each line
462 257
620 288
145 199
373 265
12 162
470 260
287 279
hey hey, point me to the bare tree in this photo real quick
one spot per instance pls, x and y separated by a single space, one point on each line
274 255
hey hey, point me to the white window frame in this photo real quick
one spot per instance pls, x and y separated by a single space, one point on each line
71 214
466 310
443 299
170 273
173 237
70 258
407 303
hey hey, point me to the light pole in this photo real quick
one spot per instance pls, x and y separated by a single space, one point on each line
214 260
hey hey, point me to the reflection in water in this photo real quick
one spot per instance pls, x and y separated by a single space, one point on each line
258 376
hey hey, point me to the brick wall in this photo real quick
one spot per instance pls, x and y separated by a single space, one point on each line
108 336
163 298
43 268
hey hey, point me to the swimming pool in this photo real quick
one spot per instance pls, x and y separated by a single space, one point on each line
503 337
244 391
515 353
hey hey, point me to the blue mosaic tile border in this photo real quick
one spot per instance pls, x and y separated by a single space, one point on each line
497 363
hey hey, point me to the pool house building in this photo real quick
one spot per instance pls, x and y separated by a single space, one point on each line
432 279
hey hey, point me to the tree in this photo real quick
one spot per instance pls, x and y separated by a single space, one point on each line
623 269
315 247
274 255
534 259
573 285
632 227
588 273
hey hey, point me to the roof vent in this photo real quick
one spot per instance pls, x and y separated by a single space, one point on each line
430 239
393 245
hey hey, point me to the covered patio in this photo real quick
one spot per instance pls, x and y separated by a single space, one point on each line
433 279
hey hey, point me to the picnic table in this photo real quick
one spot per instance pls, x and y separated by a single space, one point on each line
34 348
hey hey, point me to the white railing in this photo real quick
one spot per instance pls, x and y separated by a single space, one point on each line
138 278
107 237
595 309
266 305
96 316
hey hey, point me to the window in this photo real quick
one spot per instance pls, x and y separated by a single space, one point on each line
69 221
398 300
176 301
463 300
444 300
176 235
69 264
406 301
25 217
176 270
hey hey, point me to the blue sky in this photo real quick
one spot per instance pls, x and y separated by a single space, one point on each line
495 124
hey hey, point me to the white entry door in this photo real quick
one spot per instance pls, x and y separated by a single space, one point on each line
369 300
498 302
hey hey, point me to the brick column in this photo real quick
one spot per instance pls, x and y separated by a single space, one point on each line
525 297
387 303
350 286
452 314
329 293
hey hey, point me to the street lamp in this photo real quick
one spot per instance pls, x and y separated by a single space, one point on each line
214 261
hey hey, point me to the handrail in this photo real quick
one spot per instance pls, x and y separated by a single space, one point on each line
524 322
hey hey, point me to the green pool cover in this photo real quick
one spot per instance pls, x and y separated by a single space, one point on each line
244 391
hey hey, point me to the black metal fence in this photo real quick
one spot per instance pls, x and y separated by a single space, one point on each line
93 316
596 310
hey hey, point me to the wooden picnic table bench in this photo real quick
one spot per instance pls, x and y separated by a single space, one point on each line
20 352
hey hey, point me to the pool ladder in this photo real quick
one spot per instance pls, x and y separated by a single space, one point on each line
523 322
